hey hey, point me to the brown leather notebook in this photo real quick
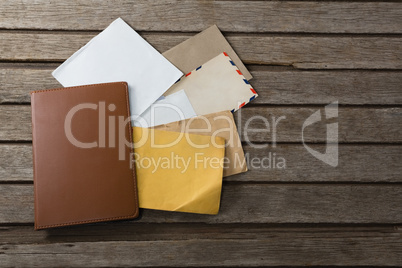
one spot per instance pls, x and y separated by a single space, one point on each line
82 155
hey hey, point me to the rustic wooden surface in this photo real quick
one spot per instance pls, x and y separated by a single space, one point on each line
303 55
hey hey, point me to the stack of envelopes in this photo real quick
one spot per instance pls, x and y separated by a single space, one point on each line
133 121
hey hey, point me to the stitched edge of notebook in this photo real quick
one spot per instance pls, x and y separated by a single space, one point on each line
136 212
82 222
66 88
38 227
33 164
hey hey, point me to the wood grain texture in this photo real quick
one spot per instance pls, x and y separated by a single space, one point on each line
324 87
308 214
137 231
258 203
303 52
380 125
233 16
357 163
273 86
199 245
354 124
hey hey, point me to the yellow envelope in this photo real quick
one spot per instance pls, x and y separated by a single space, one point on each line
222 125
178 171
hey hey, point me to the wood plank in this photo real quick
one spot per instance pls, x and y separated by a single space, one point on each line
16 83
323 87
355 124
233 16
379 125
137 231
304 52
357 163
273 86
138 244
258 203
16 162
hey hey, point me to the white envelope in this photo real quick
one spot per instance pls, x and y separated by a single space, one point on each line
172 108
216 86
120 54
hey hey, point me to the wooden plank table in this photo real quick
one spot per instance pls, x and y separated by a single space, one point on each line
303 55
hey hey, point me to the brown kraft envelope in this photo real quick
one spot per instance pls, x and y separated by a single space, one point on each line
202 47
220 124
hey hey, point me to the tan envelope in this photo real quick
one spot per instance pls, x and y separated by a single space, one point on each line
174 174
222 125
201 48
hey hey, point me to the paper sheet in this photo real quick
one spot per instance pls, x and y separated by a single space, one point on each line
215 86
178 176
174 107
201 48
222 125
120 54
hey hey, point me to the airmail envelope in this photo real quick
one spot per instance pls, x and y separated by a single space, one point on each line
178 171
202 47
221 125
215 86
120 54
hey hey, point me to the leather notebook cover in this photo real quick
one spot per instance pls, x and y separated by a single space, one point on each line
81 155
